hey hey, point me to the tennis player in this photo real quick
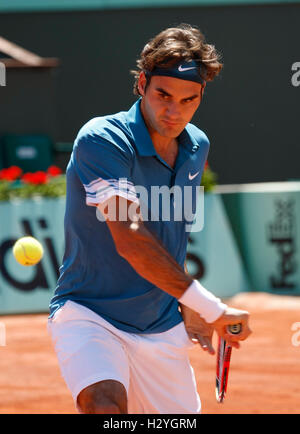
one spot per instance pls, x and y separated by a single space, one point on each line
125 311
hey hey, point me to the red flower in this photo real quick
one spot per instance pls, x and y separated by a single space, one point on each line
4 174
206 165
35 178
39 178
11 173
54 171
26 178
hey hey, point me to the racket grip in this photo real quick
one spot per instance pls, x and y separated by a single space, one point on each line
234 329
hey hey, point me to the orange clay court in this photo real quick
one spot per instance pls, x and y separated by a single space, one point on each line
264 374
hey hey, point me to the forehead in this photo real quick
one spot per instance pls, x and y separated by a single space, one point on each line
175 86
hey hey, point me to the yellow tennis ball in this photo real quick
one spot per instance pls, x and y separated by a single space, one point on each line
28 251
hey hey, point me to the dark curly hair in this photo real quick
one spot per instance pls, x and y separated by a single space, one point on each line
175 44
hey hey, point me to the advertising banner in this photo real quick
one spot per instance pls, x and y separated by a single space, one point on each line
213 255
29 289
265 218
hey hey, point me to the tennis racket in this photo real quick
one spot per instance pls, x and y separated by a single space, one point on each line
223 363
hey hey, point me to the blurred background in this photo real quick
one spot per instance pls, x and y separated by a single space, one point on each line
63 62
250 112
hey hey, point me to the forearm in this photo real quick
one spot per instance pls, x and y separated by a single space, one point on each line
184 309
149 258
153 262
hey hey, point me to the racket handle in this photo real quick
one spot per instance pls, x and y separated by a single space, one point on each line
234 329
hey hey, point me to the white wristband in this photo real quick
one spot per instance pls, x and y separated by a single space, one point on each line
199 299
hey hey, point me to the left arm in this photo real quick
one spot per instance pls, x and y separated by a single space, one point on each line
197 329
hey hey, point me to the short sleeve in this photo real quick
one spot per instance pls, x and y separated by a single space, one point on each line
104 168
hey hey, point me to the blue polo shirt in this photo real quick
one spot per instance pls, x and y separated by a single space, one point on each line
114 155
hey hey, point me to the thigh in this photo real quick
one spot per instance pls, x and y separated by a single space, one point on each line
87 352
162 379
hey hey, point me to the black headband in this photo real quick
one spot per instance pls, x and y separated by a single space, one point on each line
187 70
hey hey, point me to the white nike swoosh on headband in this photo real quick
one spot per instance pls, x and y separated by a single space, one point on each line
181 69
191 177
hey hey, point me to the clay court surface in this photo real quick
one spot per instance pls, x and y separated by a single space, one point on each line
264 375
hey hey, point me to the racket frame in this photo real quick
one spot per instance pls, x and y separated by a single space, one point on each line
222 371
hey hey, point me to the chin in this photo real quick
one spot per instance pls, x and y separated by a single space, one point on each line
171 133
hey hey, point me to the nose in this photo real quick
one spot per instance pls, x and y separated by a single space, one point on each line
173 111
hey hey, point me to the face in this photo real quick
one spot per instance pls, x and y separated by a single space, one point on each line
168 104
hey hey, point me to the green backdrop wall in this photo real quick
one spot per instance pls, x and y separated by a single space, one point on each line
46 5
250 113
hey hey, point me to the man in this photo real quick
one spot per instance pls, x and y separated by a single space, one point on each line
119 334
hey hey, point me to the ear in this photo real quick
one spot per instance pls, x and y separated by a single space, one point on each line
202 89
142 83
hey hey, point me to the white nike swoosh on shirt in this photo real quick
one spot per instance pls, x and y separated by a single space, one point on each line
191 177
181 69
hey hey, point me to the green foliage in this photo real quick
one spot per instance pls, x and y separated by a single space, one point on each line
55 187
209 180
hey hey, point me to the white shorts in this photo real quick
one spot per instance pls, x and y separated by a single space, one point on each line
154 368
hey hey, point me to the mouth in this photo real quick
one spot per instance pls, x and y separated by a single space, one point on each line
171 123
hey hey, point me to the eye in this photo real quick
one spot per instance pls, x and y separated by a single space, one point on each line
164 96
188 100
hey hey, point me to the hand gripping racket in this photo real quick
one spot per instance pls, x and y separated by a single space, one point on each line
223 363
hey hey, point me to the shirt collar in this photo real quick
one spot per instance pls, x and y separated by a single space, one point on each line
139 131
142 137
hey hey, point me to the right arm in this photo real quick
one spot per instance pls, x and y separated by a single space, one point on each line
145 253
